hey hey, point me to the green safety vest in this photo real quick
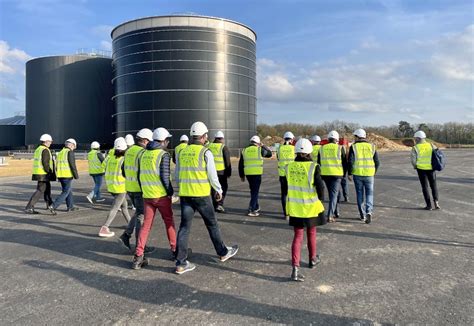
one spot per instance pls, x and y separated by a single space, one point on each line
150 176
131 164
286 154
217 151
330 158
63 169
315 153
364 164
423 156
95 165
302 199
253 161
193 179
179 148
113 175
38 168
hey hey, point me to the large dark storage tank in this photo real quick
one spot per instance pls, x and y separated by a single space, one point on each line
12 133
171 71
69 96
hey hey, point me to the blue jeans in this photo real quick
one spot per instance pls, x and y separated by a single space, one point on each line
136 221
364 186
98 183
66 194
344 190
332 184
189 205
254 184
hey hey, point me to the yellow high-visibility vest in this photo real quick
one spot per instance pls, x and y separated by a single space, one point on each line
95 165
253 161
179 148
423 156
113 175
193 179
63 169
364 164
302 199
286 154
150 179
315 153
217 151
330 158
130 165
38 168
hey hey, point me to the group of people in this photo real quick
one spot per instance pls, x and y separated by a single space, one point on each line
140 168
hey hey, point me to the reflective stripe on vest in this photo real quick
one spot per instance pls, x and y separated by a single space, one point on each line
253 161
423 156
63 169
130 164
286 154
38 168
217 151
364 164
113 175
150 179
302 199
95 165
193 179
315 153
330 158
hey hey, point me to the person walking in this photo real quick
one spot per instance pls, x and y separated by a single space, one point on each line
421 155
251 167
304 184
316 142
66 171
96 171
131 165
224 169
43 173
362 166
285 155
196 174
183 142
332 158
115 180
155 181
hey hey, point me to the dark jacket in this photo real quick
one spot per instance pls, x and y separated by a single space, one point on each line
165 167
266 152
345 164
50 170
227 164
351 159
71 158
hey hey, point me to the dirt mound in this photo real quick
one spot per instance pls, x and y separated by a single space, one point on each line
385 144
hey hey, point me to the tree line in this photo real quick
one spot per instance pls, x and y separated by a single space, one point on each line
447 133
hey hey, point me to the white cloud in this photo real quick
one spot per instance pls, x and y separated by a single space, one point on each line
7 93
106 45
11 60
415 116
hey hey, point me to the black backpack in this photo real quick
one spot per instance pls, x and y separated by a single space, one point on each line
438 159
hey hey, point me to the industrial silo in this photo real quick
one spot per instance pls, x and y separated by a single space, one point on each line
12 133
69 96
171 71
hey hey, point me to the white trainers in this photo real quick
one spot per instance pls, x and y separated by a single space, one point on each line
90 196
174 199
105 232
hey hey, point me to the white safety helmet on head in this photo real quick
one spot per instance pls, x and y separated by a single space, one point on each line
333 134
184 138
145 133
219 134
95 145
303 146
129 140
71 141
198 129
420 134
46 137
120 144
161 134
360 133
288 135
255 139
316 138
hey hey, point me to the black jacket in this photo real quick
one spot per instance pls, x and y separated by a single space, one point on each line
227 164
266 152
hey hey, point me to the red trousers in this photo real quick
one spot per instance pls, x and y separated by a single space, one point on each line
298 241
163 205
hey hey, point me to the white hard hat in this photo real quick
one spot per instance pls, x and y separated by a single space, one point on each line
219 134
184 138
288 135
161 134
304 146
360 133
420 134
120 144
333 134
72 141
46 137
145 133
129 140
255 139
95 145
316 138
198 129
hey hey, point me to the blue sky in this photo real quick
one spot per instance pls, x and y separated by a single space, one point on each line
367 62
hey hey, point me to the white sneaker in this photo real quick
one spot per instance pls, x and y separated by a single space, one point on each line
174 199
105 232
90 196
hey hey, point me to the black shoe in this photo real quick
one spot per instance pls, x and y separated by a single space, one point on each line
314 262
428 208
368 218
72 209
139 262
52 210
362 218
231 252
30 211
149 249
437 205
125 240
296 276
346 199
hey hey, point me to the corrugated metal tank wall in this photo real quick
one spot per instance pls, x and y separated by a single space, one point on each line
69 96
171 71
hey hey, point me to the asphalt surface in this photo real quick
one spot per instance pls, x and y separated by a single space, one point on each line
410 266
